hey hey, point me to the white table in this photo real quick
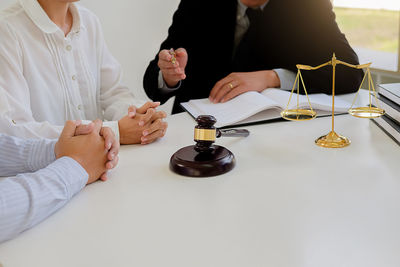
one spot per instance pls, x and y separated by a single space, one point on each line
288 202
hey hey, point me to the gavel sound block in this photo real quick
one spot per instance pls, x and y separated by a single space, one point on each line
205 159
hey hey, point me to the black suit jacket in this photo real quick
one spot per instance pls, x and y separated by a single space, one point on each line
293 32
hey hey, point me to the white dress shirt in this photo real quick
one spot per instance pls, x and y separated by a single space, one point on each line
40 184
286 77
47 78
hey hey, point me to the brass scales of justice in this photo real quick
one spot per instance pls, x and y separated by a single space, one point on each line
332 139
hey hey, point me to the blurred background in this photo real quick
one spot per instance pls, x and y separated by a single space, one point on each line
134 30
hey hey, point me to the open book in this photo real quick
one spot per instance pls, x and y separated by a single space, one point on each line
253 107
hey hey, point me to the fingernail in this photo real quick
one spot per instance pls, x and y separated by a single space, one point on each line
145 133
141 123
109 145
112 156
131 114
144 139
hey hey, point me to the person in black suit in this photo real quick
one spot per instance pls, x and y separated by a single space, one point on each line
228 47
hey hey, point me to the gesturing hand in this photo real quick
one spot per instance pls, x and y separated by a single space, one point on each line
88 150
173 71
238 83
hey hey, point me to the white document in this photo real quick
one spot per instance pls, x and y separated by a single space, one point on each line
267 105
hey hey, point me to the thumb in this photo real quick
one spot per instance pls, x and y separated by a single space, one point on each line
131 111
69 129
97 126
181 52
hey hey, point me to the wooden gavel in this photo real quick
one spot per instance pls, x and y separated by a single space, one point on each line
205 159
205 133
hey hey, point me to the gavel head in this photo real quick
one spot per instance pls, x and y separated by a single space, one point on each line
205 133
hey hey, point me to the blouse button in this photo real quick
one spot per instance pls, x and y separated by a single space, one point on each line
73 77
79 107
68 47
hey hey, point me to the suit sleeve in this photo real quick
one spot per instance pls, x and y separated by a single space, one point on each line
178 36
324 39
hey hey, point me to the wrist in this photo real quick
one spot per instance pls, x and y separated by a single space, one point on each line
121 134
170 83
273 80
57 151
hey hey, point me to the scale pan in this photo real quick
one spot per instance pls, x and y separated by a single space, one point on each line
366 112
298 114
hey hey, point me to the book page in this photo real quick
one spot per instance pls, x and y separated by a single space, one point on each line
233 111
318 101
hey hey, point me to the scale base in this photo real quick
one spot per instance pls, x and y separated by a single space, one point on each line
189 162
332 140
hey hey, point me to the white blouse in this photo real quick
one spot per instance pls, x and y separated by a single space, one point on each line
47 78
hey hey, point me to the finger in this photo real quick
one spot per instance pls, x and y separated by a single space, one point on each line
155 126
113 152
84 129
110 141
173 72
163 65
152 137
69 129
165 55
158 115
147 117
218 86
143 109
112 164
98 124
233 93
131 111
104 177
181 52
225 89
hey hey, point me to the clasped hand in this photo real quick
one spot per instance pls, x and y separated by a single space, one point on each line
142 125
94 147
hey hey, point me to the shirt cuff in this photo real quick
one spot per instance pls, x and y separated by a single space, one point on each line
41 154
286 77
73 175
114 127
162 85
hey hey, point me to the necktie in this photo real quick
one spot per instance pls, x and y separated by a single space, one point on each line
243 56
254 16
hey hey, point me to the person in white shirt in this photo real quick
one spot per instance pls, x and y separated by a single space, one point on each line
55 66
45 174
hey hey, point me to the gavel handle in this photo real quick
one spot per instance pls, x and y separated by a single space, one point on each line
232 133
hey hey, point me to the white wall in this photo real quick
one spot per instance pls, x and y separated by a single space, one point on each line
133 30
